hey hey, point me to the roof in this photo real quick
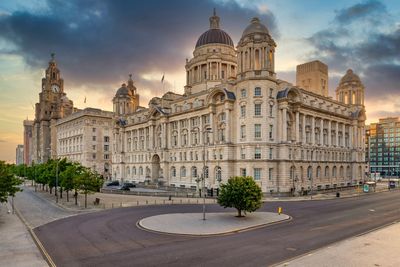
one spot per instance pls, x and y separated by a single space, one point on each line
214 36
230 94
255 27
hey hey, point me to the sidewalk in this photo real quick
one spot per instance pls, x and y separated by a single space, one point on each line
17 248
377 248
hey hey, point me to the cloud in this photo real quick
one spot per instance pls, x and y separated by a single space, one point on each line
373 51
98 43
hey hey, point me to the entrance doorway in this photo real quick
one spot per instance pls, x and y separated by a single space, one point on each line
155 168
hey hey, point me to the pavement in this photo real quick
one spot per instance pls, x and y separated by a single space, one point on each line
17 247
214 224
377 248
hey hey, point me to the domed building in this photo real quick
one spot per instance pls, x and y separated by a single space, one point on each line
236 118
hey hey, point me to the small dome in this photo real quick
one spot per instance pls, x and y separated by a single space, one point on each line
214 35
123 91
350 76
255 27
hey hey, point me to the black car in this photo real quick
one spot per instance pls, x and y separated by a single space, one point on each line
113 183
129 185
125 188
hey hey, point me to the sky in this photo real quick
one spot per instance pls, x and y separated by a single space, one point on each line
99 43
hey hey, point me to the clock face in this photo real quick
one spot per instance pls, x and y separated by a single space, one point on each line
55 88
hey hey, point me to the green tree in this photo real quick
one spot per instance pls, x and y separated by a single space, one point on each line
8 182
69 176
241 193
88 182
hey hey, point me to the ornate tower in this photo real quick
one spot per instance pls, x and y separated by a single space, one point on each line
214 59
126 100
256 52
53 105
350 90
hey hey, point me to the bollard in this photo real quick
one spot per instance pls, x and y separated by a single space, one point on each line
137 202
147 202
279 210
112 205
120 204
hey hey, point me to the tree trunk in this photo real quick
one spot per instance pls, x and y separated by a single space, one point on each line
67 195
239 213
61 192
76 197
85 200
51 190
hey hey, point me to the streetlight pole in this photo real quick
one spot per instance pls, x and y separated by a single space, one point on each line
311 173
206 130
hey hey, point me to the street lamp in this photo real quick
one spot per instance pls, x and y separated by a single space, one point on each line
311 173
203 178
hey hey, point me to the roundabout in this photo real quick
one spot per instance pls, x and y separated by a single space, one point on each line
217 223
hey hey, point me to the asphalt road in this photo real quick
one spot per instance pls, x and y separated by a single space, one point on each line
111 238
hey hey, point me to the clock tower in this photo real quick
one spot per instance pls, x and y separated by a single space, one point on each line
53 105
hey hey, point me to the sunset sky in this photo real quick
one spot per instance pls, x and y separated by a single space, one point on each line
98 43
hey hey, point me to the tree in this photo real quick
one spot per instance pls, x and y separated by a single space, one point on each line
88 182
241 193
68 176
8 182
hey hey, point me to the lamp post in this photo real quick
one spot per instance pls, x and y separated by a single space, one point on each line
311 173
203 177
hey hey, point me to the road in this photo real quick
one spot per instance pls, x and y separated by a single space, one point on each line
111 238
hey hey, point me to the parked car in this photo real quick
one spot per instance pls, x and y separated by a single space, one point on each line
125 188
113 183
129 185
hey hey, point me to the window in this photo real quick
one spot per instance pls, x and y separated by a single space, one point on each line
94 147
106 147
242 153
257 109
93 156
270 172
257 91
257 174
271 128
106 156
243 172
94 130
257 130
257 153
194 172
271 150
243 93
106 139
271 108
242 111
271 92
243 131
94 138
183 172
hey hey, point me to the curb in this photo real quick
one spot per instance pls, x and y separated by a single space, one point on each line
138 225
39 244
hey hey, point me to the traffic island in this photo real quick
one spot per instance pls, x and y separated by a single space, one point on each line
215 223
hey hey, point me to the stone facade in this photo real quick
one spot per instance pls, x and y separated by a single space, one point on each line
86 137
243 121
313 76
53 105
28 131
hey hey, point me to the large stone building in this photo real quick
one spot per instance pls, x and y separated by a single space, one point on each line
383 147
28 131
19 155
53 105
236 118
85 137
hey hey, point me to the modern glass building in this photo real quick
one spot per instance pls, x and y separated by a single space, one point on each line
383 147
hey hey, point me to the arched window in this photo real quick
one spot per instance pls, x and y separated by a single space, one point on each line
360 172
173 171
128 171
205 172
183 171
326 172
292 172
341 172
194 172
309 172
257 59
318 175
140 171
243 93
133 170
348 172
334 172
218 173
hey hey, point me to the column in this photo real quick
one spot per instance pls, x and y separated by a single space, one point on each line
179 134
284 125
228 125
329 133
297 125
337 133
208 71
214 129
304 129
201 129
343 135
151 133
164 135
312 130
350 136
321 132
